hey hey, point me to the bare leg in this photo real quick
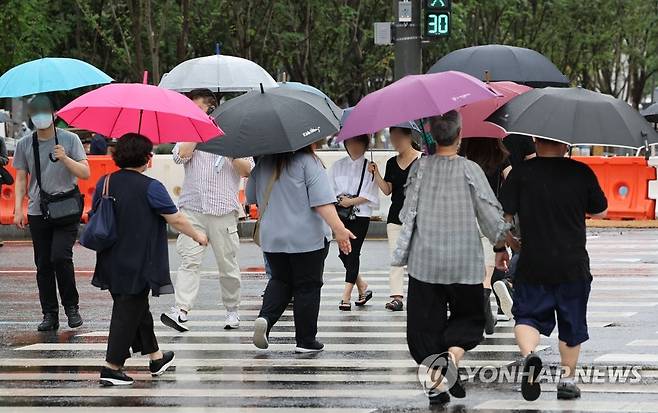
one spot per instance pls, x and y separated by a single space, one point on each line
488 273
112 366
569 356
527 338
457 353
361 284
156 356
347 292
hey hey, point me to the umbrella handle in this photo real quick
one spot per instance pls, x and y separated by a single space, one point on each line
50 155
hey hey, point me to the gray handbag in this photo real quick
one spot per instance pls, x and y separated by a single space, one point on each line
400 256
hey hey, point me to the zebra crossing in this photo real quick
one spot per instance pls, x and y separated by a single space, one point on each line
365 366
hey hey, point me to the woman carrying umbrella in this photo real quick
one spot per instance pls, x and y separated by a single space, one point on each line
138 261
297 216
397 171
357 196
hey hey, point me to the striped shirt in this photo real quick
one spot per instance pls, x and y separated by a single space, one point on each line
211 185
455 202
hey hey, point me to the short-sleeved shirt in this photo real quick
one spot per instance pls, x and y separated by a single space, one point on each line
552 197
156 195
55 177
519 146
289 223
345 175
397 177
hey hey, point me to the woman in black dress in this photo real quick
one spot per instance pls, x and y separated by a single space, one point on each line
397 170
138 261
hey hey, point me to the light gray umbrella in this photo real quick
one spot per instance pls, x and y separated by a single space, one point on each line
4 117
503 63
575 116
271 121
651 113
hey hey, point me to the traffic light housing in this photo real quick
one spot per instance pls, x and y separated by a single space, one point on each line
437 18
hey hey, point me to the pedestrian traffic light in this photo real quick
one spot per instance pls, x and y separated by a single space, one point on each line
437 18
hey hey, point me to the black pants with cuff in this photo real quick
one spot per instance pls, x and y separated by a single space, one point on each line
299 276
352 261
429 329
131 327
53 256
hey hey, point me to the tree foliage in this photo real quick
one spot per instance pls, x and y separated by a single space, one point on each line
607 45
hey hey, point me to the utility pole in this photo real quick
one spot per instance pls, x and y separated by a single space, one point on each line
407 38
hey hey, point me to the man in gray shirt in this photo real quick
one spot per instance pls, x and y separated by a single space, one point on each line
61 163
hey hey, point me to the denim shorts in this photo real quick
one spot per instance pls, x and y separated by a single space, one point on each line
538 306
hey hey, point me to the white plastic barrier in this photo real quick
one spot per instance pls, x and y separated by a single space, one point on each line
653 185
171 175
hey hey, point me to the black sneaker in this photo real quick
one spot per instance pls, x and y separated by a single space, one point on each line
438 398
111 377
50 322
73 314
314 347
530 388
567 391
157 367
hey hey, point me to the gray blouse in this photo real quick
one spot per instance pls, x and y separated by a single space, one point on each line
453 200
290 224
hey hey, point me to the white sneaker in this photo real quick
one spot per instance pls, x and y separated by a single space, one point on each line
505 297
175 319
260 333
232 320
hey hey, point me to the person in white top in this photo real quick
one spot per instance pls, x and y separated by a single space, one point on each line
356 195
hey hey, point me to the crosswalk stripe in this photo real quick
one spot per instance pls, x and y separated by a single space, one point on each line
646 343
378 303
570 406
347 363
366 312
343 347
627 358
163 409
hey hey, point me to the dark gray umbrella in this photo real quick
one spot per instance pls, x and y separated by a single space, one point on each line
503 63
275 120
575 116
651 113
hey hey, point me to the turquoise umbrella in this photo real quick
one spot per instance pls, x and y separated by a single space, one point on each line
48 75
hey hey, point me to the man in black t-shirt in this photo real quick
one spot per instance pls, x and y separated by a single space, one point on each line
552 196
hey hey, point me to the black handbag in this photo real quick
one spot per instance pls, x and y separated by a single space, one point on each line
5 177
348 213
58 209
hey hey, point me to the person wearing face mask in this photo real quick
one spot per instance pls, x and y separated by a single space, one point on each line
61 162
210 201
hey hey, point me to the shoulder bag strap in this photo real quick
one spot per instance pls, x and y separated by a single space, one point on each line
363 173
266 198
37 159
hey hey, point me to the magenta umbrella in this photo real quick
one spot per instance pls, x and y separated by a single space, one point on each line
474 115
411 98
162 115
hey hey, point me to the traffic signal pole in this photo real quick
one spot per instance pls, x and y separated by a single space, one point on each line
407 41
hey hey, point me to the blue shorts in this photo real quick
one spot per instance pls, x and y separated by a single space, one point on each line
537 305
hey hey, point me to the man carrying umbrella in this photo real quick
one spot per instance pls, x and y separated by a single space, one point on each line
61 162
552 195
210 200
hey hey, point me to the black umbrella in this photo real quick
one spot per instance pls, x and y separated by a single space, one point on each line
575 116
271 121
503 63
651 113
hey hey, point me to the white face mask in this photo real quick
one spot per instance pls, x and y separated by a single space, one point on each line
42 120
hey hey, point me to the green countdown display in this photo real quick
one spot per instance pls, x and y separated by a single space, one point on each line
437 24
438 4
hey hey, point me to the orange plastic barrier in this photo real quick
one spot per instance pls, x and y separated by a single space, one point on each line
625 182
99 166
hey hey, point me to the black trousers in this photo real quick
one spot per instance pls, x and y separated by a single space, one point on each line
53 256
352 261
298 276
429 329
131 326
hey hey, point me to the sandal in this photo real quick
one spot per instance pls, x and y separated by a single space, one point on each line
343 306
395 305
363 298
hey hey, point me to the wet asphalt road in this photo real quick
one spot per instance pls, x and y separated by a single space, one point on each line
366 366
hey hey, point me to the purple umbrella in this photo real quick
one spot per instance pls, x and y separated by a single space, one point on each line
414 97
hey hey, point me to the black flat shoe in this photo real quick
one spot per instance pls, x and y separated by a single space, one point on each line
567 391
363 298
438 398
530 388
50 322
395 305
73 314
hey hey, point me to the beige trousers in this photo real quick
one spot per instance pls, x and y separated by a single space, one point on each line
396 275
222 232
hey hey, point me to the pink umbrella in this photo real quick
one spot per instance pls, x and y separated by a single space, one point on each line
474 115
162 115
414 97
